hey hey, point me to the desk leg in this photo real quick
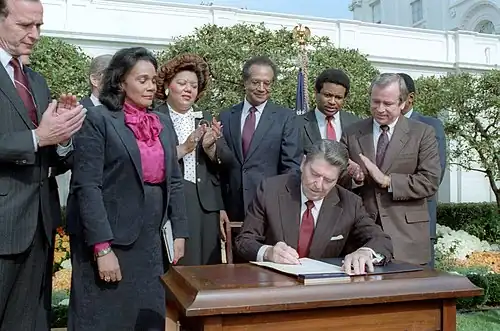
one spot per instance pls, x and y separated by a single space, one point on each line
449 315
172 320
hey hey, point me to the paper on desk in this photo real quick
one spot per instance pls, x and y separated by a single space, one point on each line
307 267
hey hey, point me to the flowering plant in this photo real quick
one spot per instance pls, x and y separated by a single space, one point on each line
61 250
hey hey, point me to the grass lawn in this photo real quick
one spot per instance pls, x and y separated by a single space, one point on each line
479 321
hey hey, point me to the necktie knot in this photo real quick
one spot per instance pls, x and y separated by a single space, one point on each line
252 110
384 128
309 204
329 118
14 62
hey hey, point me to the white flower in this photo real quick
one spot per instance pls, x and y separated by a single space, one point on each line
66 264
459 244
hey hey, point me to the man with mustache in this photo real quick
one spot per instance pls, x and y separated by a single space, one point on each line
328 120
397 168
260 139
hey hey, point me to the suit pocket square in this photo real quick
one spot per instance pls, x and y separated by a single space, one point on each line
339 237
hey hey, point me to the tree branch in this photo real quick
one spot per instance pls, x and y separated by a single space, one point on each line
468 168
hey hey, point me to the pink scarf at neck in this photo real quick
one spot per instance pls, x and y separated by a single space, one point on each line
146 126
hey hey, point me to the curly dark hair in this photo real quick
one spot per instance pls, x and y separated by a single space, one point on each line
123 61
182 62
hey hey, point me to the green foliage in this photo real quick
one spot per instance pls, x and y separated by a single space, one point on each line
227 48
472 107
64 66
478 219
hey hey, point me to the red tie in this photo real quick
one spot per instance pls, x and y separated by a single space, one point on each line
248 130
330 129
306 230
22 87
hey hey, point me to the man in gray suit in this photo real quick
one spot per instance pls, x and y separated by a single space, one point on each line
34 136
328 120
409 112
260 139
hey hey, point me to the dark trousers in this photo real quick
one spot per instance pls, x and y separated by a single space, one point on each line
24 296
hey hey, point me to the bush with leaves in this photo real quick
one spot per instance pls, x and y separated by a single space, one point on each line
227 48
64 66
472 107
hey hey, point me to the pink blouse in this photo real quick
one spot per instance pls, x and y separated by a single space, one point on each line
146 128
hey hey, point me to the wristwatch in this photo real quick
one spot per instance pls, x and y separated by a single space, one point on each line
103 252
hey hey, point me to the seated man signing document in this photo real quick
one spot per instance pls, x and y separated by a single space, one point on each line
296 216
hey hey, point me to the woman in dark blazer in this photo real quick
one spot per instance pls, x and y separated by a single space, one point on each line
125 179
181 82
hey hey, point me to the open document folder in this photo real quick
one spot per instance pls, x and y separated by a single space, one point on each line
309 271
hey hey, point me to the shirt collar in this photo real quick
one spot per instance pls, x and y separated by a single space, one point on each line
376 126
408 114
320 117
95 100
304 199
176 114
6 57
247 106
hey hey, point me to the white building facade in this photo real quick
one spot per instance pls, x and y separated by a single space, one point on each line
103 26
473 15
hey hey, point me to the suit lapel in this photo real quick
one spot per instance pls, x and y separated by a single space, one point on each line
7 87
326 225
167 151
289 209
35 91
365 139
311 126
265 123
235 130
128 139
398 142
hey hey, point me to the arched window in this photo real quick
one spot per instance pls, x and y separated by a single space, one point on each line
485 27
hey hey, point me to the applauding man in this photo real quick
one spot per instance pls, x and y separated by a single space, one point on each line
395 163
34 136
296 216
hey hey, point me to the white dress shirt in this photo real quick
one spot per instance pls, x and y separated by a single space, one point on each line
246 110
95 100
184 125
5 59
408 114
321 119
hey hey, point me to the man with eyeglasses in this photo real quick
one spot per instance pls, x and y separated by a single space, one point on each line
260 139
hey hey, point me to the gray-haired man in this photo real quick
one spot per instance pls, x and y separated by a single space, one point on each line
97 67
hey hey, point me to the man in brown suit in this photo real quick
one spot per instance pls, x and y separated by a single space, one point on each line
395 163
296 216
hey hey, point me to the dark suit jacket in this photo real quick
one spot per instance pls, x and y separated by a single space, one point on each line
274 216
207 171
106 198
412 161
310 129
26 191
275 149
441 139
87 102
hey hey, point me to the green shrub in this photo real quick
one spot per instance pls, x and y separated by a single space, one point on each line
64 66
478 219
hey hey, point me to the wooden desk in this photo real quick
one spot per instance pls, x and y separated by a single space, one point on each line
246 297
